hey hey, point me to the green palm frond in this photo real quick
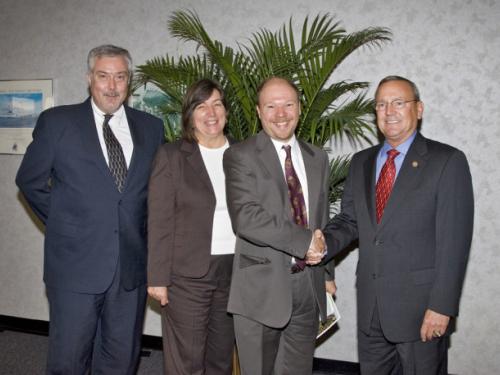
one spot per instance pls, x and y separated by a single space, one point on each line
339 167
187 26
349 119
310 58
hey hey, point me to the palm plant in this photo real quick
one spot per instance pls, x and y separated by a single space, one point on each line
329 110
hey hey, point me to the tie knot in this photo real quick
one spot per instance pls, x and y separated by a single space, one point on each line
392 153
107 117
288 150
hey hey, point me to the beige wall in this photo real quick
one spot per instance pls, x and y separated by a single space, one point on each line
449 48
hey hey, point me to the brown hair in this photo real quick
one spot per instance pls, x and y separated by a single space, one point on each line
196 94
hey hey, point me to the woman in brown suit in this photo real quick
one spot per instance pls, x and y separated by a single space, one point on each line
191 243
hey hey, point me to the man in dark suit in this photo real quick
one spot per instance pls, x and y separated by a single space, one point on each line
85 176
409 202
275 298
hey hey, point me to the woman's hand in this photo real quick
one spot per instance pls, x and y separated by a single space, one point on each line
159 293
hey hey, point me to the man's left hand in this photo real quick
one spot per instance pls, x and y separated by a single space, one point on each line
331 287
434 325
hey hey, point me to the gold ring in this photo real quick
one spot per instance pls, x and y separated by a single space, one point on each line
437 334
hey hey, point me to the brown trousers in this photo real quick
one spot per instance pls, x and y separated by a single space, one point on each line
198 333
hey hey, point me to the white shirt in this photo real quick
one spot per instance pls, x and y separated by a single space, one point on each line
119 127
223 238
298 164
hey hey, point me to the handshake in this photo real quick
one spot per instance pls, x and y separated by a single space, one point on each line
317 249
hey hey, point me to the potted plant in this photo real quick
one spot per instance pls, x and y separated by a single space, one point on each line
330 109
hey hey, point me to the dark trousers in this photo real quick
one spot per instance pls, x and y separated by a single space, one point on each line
99 331
198 333
378 356
289 350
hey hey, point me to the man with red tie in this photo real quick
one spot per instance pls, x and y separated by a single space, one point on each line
410 204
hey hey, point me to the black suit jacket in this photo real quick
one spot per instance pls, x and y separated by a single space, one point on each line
89 224
415 258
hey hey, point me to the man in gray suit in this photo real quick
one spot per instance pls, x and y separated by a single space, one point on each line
275 298
409 202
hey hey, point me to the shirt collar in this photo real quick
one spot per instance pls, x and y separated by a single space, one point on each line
279 144
402 148
117 115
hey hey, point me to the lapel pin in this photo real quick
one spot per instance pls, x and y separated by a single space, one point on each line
414 164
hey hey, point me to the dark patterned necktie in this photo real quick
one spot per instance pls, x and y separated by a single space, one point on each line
385 182
296 195
116 159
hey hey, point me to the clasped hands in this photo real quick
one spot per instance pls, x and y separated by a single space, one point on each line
317 249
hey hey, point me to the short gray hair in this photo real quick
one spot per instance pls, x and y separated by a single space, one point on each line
108 50
413 86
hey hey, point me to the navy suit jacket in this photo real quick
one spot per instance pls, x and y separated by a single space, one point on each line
415 258
90 225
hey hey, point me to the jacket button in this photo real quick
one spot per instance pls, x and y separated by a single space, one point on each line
374 276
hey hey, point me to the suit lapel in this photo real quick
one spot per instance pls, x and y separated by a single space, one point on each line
195 161
415 161
270 164
136 132
369 168
269 160
314 176
90 139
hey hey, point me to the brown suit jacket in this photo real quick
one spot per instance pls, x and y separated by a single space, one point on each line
181 205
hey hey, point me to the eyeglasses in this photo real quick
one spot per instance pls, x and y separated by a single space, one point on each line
395 104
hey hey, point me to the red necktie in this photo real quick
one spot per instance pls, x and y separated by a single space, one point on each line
296 195
385 183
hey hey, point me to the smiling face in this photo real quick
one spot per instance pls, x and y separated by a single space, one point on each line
209 119
278 109
108 82
397 125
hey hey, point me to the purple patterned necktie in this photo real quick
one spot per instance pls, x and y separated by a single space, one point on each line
299 210
385 182
116 160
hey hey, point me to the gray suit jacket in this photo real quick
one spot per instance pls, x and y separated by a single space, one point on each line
267 237
415 258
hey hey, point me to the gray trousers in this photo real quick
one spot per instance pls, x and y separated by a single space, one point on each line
378 356
289 350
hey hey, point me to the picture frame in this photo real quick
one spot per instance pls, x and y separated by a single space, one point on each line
21 102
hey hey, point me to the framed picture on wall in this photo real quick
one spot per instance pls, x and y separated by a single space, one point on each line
21 102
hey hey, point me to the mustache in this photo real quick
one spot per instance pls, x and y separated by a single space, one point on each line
112 94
